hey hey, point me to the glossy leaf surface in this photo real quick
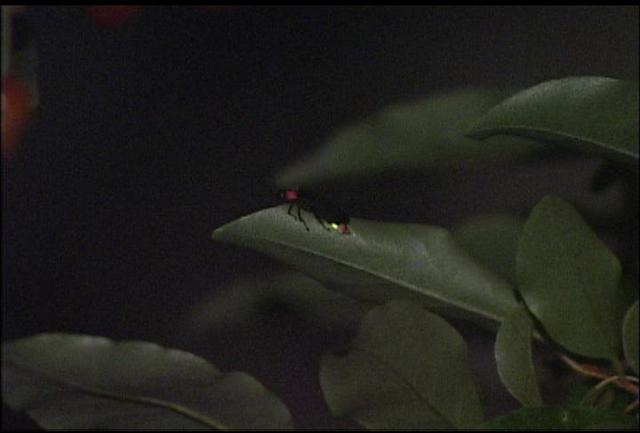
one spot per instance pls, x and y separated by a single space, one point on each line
587 114
378 261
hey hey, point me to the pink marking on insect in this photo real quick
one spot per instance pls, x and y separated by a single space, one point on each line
343 228
291 195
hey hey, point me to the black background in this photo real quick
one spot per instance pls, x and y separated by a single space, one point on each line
150 135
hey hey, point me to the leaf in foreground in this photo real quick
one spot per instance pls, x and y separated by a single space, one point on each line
378 262
589 114
412 136
68 381
514 358
630 336
570 280
406 369
558 418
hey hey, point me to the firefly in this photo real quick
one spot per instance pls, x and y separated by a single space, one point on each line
323 211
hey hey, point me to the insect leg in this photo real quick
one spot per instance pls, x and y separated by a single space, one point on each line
321 222
302 220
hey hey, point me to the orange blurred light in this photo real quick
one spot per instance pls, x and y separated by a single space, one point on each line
112 15
16 107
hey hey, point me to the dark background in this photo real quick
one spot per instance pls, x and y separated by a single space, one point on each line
150 135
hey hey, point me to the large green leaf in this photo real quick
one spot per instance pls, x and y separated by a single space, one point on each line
67 381
570 280
558 418
418 135
492 239
590 114
406 369
378 261
514 358
630 336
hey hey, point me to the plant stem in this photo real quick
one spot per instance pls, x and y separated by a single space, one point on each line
622 382
631 407
594 392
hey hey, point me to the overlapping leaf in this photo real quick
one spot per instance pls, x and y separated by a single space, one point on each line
514 358
570 280
406 369
68 381
587 114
